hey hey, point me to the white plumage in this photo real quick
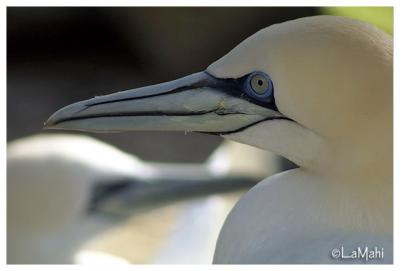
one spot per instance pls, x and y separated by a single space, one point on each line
51 180
330 112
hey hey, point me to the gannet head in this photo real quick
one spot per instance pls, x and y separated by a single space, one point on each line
287 88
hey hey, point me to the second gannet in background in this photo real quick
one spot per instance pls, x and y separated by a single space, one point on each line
49 184
316 90
62 189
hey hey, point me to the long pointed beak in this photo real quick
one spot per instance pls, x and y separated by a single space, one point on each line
198 102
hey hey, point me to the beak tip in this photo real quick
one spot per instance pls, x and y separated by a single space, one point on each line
49 124
57 118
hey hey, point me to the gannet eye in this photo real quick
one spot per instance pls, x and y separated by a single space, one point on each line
259 86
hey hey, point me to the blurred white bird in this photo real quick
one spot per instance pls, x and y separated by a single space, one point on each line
49 182
317 91
62 189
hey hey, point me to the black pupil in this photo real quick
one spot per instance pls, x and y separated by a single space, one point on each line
260 82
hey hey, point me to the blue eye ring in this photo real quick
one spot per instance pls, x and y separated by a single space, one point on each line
259 86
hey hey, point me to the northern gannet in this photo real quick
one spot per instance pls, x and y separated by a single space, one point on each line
49 184
62 189
316 90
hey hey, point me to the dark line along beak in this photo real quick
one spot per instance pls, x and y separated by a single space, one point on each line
198 102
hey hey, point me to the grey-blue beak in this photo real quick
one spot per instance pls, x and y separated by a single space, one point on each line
198 102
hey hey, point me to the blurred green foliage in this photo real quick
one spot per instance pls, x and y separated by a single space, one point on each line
381 17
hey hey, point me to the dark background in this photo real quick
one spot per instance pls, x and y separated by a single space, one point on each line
60 55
